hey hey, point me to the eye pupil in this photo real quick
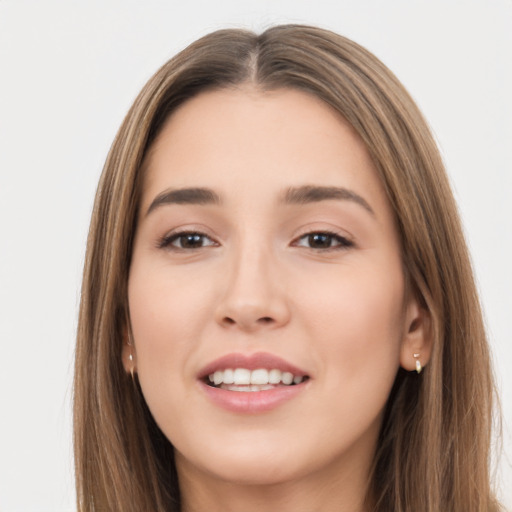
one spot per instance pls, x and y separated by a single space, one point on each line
191 241
320 240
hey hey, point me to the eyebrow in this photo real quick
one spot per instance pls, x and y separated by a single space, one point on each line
294 195
313 194
194 195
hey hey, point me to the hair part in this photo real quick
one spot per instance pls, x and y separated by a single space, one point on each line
434 443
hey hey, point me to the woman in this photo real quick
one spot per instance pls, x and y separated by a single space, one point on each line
278 308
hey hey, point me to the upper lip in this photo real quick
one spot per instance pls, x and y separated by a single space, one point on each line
250 362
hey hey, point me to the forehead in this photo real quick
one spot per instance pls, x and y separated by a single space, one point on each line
259 141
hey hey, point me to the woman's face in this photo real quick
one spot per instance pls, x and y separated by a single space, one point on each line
266 252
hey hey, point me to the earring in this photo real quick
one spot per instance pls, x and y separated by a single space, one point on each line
418 364
130 358
132 366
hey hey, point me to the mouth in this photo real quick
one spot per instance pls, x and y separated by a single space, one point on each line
252 383
246 380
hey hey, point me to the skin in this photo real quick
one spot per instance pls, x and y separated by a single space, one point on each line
255 282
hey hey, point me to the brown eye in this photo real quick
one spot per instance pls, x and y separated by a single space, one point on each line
324 241
192 241
187 241
320 241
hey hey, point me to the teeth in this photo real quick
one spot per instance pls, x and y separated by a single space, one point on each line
287 378
259 376
242 376
232 387
241 379
274 376
228 377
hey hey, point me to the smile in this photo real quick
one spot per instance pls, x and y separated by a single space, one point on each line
251 383
261 379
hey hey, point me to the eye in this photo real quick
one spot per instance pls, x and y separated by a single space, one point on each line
186 240
324 241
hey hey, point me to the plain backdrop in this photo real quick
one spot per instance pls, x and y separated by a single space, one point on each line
69 71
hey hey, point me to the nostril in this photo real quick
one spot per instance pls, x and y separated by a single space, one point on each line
265 320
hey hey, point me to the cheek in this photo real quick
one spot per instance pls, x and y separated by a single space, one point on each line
166 314
165 307
356 318
356 325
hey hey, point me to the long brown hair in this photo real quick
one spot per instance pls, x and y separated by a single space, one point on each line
434 444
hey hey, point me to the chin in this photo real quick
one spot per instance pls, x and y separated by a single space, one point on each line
254 463
258 471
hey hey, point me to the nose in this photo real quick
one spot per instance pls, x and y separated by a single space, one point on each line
253 296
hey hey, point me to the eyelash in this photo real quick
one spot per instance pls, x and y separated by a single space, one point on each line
168 240
342 243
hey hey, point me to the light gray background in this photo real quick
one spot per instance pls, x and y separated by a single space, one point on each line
69 71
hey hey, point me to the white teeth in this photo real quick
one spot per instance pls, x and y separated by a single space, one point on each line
228 377
242 376
287 378
232 387
262 388
259 378
274 376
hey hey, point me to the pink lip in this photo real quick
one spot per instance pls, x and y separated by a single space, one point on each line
251 402
250 362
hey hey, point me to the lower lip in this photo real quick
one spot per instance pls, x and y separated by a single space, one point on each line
252 402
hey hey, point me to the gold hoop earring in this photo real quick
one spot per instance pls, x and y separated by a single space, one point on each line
418 364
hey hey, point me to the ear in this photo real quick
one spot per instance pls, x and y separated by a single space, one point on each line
417 338
128 354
